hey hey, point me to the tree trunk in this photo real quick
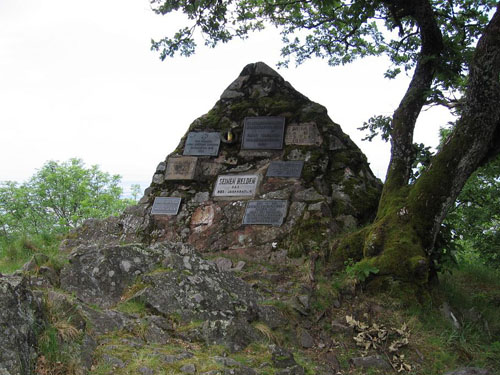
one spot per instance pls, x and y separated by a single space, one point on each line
400 243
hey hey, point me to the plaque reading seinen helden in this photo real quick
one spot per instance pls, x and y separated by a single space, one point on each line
265 212
202 144
181 168
285 169
236 186
166 206
263 133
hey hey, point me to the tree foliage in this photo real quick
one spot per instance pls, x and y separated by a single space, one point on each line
59 196
341 31
475 219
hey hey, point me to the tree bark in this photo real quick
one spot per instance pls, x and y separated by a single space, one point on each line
405 116
400 242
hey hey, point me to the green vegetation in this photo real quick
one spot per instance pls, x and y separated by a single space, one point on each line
58 197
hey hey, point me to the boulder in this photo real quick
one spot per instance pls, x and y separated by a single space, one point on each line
20 316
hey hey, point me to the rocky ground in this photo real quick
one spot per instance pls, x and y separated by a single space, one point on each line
164 309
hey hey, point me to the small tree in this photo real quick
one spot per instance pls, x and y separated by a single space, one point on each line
59 196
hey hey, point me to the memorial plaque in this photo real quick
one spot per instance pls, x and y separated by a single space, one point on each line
181 168
285 169
202 144
166 206
265 212
263 133
306 134
236 185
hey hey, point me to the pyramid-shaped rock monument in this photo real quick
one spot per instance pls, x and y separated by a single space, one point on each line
264 170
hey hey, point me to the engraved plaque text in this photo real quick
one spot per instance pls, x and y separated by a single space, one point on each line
236 186
166 206
263 133
285 169
265 212
202 144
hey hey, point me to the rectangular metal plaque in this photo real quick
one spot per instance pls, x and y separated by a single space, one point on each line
265 212
181 168
305 134
263 133
202 143
285 169
236 185
166 206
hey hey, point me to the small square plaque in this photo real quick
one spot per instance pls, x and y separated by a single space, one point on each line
306 134
265 212
236 185
202 144
166 206
181 168
285 169
263 133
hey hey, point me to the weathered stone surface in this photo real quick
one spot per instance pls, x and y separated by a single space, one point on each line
469 371
281 357
100 275
189 368
372 361
20 316
305 339
194 288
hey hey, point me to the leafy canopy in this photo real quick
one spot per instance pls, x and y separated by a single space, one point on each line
339 31
58 197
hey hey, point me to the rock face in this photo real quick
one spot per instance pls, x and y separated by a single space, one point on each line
19 318
170 280
336 190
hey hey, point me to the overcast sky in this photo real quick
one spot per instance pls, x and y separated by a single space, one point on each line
78 79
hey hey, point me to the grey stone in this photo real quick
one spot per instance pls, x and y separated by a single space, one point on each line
305 339
189 368
159 178
294 370
308 195
113 361
239 266
87 351
100 275
20 315
162 167
201 196
172 358
145 370
469 371
281 357
226 361
372 361
223 264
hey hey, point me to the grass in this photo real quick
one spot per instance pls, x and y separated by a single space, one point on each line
17 250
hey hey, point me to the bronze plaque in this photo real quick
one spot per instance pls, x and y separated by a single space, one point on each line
181 168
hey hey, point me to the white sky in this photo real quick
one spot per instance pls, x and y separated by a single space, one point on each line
78 79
